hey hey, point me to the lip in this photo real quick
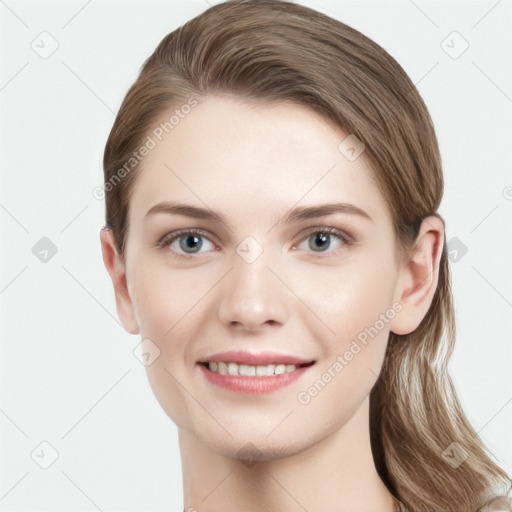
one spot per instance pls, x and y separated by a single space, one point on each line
255 358
253 385
250 384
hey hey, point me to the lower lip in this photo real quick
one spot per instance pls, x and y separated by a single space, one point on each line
253 385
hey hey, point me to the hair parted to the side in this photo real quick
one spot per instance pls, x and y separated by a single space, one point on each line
276 51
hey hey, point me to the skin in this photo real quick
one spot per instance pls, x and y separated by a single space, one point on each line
252 162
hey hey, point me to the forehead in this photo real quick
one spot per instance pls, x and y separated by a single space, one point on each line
238 156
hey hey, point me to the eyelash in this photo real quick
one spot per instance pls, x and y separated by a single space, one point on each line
169 238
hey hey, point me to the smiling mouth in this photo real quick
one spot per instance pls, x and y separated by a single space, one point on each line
246 370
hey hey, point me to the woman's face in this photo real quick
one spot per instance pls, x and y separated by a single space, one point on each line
260 279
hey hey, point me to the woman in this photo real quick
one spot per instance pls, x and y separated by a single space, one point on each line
272 185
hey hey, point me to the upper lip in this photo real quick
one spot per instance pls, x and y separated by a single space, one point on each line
256 358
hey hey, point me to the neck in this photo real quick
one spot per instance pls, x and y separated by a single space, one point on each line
339 469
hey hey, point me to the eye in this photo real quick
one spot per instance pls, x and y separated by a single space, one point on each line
189 242
186 242
319 240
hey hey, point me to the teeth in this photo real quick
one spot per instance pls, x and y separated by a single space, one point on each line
280 368
249 371
231 368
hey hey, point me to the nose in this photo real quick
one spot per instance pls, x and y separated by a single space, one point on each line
252 296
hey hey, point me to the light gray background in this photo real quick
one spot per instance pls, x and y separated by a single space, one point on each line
69 376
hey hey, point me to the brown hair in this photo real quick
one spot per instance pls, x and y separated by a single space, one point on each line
276 51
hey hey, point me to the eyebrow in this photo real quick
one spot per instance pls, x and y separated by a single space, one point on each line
294 215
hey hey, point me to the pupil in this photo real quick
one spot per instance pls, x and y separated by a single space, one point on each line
190 241
321 239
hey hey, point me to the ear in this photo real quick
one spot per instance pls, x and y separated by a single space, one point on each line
418 277
116 268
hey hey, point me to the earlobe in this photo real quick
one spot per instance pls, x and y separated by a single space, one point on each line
116 269
419 276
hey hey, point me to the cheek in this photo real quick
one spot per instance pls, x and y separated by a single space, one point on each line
352 296
172 309
169 309
164 297
357 306
355 302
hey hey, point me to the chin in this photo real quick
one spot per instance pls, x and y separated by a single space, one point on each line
253 451
252 445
